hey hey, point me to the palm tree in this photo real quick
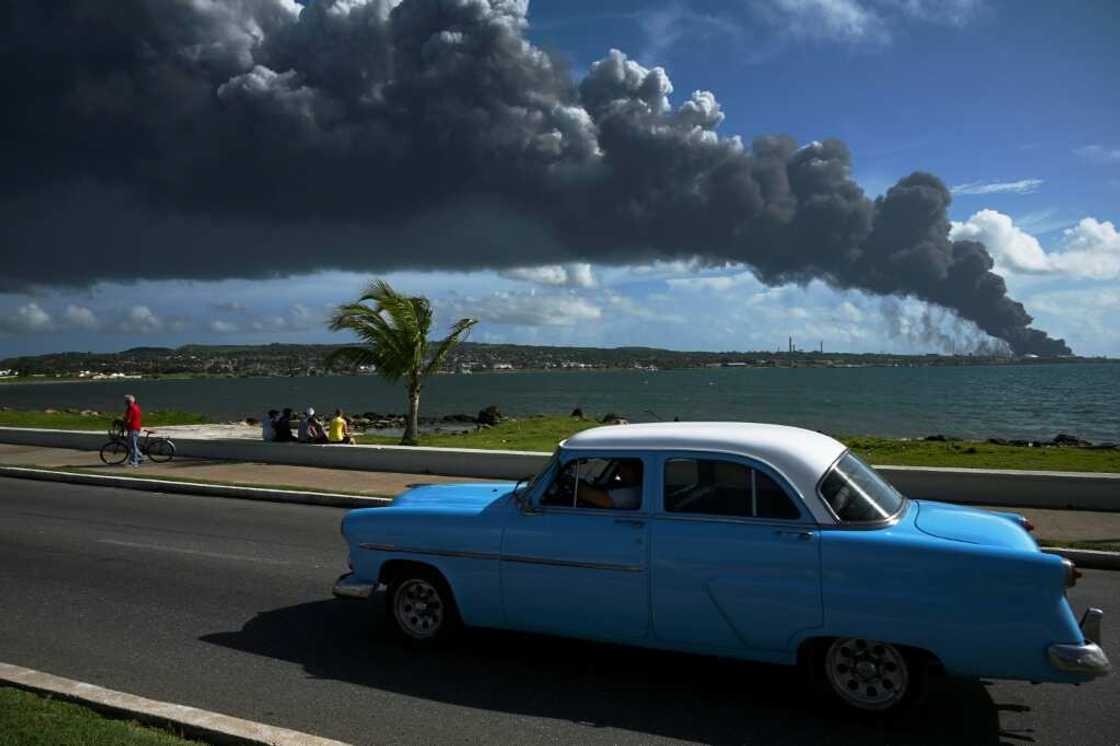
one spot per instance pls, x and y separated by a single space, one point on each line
394 331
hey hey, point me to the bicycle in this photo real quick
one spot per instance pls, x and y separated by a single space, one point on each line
159 449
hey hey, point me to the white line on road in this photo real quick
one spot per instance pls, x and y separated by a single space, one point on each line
196 552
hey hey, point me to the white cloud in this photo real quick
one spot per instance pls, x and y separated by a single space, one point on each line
843 20
576 274
219 326
1089 250
948 12
1023 186
80 317
1098 154
141 320
231 306
1084 317
861 21
27 319
528 309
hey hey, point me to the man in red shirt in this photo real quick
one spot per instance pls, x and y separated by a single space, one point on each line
132 429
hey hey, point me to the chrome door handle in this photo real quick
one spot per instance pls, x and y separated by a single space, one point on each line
630 522
799 535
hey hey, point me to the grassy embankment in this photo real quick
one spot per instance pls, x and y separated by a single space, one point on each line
542 434
63 420
29 719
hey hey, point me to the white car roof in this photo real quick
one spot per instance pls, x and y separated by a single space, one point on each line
800 455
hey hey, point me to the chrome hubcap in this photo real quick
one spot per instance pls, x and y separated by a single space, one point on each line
867 674
418 608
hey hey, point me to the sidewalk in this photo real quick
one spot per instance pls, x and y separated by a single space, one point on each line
240 473
1084 528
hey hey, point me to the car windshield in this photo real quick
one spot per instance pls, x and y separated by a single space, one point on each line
526 487
857 494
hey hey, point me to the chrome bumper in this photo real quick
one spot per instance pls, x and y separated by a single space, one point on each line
348 587
1087 658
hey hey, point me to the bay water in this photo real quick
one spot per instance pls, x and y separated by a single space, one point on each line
1008 401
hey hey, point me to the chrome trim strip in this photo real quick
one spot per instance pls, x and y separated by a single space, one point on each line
572 563
432 552
791 523
510 558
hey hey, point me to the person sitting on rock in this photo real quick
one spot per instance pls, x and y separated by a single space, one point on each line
310 429
339 430
282 427
268 426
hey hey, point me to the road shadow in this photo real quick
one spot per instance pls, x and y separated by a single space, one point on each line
664 694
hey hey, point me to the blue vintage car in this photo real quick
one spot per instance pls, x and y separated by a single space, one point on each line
752 541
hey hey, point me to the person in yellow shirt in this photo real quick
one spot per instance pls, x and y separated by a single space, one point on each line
339 429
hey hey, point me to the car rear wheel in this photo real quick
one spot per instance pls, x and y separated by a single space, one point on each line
870 675
421 608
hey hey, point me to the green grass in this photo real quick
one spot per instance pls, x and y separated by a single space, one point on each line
62 420
528 434
30 720
981 455
543 433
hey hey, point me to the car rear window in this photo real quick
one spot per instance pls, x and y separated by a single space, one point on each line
857 494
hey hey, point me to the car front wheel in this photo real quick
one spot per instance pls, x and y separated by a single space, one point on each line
869 675
421 608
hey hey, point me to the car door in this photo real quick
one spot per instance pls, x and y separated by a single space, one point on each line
735 556
572 569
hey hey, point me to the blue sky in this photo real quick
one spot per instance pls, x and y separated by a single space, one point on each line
1012 104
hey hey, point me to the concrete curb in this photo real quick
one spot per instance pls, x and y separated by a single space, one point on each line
1090 559
191 721
197 488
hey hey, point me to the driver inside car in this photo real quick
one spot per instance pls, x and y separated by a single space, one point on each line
623 491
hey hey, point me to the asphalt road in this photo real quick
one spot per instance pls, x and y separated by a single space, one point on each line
225 605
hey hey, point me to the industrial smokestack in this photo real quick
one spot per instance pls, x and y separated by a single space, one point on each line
270 138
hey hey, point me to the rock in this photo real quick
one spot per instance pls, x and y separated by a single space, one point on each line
577 412
610 418
1063 439
50 411
90 413
463 418
252 421
490 416
940 438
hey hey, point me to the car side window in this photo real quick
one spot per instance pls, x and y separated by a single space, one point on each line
724 488
609 483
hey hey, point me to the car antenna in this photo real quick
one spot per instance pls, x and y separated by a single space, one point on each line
655 415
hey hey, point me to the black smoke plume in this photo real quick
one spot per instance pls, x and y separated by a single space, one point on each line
166 138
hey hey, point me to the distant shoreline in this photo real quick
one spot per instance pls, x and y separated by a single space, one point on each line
49 379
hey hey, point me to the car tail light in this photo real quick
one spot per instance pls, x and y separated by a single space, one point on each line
1072 573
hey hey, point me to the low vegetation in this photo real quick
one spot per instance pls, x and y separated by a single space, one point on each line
543 433
983 455
72 419
31 720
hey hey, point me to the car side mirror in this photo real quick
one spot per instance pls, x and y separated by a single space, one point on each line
522 498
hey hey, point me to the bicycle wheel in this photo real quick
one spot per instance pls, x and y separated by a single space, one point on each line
114 452
160 450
